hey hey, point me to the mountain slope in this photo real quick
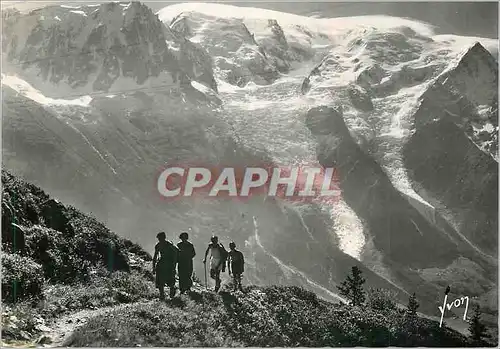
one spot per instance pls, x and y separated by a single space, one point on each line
57 261
92 274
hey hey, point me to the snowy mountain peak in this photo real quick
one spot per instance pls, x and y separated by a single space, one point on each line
478 51
94 47
468 96
474 73
244 47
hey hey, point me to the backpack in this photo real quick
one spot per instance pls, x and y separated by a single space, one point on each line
238 258
223 252
223 255
169 252
237 262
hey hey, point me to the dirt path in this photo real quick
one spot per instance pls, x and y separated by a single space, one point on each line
64 327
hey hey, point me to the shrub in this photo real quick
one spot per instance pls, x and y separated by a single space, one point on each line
21 322
102 290
96 243
131 285
381 299
155 324
57 254
79 236
22 278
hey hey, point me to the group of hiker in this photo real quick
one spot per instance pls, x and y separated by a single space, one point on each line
169 259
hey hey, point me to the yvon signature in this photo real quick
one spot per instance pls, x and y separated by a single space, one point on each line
457 303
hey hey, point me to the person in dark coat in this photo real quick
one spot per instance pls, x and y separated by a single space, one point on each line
236 265
166 265
185 264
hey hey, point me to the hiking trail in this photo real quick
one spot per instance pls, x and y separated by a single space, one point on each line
66 325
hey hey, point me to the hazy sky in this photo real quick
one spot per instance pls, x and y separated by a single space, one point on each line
462 18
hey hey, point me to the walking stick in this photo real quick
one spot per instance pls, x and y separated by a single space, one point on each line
205 267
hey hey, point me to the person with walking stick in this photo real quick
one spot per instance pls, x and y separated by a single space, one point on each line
218 255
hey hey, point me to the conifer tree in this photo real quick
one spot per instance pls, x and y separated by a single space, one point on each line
411 313
352 287
412 306
477 329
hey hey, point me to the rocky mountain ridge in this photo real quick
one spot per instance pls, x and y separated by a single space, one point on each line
100 48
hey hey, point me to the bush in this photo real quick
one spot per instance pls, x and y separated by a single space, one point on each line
186 324
250 320
131 285
137 250
381 299
22 278
102 290
63 238
97 244
21 322
57 254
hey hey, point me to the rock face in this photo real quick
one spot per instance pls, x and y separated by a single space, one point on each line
92 48
451 156
465 94
455 172
475 75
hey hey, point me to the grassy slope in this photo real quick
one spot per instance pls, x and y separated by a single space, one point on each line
269 316
82 265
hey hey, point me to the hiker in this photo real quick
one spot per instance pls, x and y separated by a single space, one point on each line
165 268
185 266
235 264
218 255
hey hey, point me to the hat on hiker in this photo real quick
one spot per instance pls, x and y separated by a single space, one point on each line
214 239
161 235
